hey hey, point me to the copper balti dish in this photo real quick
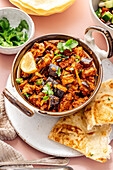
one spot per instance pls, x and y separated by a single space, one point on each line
89 47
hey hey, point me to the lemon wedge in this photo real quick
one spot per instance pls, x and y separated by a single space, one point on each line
27 63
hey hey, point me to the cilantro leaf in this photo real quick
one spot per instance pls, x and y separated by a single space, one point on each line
6 23
59 71
60 47
23 24
50 92
47 89
69 44
72 69
45 98
19 80
27 95
26 37
57 55
12 36
39 81
77 58
80 70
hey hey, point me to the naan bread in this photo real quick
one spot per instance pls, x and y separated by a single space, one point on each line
43 7
100 110
72 131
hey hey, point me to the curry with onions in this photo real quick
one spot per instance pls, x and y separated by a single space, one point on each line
64 78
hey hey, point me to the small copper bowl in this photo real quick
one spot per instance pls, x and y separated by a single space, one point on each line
87 45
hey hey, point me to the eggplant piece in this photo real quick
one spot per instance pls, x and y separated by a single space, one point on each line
30 77
38 58
85 88
51 81
59 90
85 84
53 69
53 102
59 60
86 61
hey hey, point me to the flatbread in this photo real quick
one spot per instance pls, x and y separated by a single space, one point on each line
100 110
72 131
43 7
19 5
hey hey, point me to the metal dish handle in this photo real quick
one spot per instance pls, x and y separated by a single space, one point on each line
17 103
89 40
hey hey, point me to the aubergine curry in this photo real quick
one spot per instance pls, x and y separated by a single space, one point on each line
64 78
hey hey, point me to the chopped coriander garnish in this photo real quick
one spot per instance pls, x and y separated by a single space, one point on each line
92 154
69 44
27 95
60 47
47 89
45 98
50 92
72 69
57 55
39 81
77 58
80 70
9 36
108 98
19 80
59 71
63 56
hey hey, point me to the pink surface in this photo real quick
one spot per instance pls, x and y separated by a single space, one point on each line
73 21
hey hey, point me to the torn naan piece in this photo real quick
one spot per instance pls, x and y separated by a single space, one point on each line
100 110
72 131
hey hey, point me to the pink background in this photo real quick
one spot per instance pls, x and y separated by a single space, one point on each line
73 21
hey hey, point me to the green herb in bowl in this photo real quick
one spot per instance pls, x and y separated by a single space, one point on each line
9 36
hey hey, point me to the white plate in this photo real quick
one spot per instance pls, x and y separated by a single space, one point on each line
35 130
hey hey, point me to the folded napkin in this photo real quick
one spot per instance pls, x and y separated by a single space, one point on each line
7 132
